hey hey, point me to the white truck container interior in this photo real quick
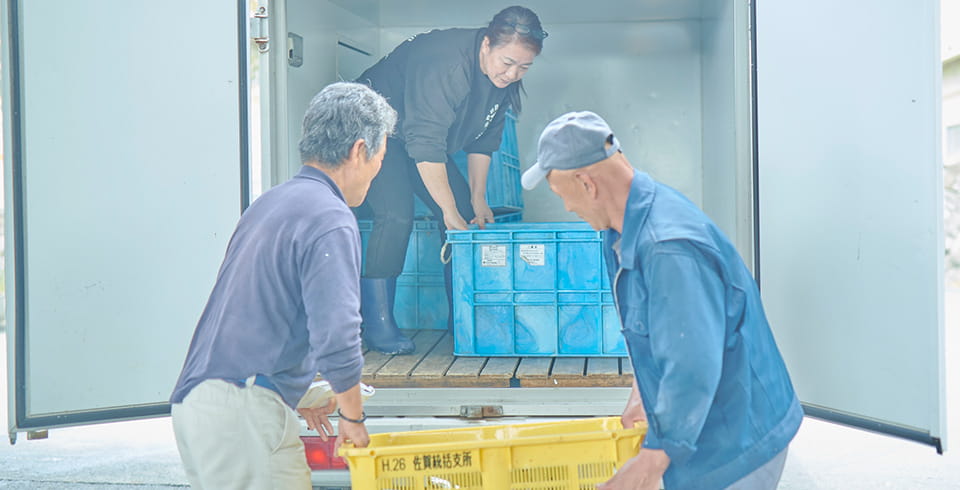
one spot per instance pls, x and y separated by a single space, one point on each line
126 169
671 78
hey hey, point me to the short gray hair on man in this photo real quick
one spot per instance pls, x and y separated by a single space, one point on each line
339 115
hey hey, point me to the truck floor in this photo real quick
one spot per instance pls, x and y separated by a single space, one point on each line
433 365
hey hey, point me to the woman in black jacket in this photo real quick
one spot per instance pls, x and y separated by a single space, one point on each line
451 89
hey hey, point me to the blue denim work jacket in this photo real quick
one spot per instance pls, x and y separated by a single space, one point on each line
716 391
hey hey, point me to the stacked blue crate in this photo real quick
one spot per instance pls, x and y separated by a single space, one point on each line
421 300
503 179
533 289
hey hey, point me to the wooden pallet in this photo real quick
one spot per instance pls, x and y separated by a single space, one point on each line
433 365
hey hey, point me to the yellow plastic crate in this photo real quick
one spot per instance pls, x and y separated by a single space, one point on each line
573 454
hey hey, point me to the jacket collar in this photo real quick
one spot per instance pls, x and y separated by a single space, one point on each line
642 193
308 172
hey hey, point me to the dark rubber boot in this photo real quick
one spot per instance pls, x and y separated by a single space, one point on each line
380 330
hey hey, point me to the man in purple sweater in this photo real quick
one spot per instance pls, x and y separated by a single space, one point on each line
286 305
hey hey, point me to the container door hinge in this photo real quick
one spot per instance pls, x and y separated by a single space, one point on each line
260 29
480 411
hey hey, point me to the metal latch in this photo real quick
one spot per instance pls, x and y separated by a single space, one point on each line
37 434
260 30
480 411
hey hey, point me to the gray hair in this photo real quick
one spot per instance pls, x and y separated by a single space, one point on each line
338 116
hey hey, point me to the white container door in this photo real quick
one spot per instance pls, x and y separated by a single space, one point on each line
126 164
850 208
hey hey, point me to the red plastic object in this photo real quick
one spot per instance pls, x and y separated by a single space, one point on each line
320 454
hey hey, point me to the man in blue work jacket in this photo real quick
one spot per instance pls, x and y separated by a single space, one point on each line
709 379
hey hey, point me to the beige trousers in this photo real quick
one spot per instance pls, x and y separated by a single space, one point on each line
233 437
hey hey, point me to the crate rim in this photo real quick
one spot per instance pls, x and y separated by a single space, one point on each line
531 226
621 433
514 228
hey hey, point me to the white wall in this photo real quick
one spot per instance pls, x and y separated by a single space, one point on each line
950 54
643 77
851 241
949 33
131 188
321 24
728 179
951 168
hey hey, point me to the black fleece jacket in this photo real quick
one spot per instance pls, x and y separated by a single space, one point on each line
445 103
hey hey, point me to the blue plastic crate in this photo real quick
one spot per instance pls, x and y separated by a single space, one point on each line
504 192
533 289
421 300
509 217
421 210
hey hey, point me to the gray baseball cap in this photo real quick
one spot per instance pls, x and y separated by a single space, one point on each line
573 140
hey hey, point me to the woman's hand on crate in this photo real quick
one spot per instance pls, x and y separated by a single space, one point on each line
453 221
482 213
317 420
641 472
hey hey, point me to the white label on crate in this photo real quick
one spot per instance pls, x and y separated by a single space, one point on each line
493 255
533 254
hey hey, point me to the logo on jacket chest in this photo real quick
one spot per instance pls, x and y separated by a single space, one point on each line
488 120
